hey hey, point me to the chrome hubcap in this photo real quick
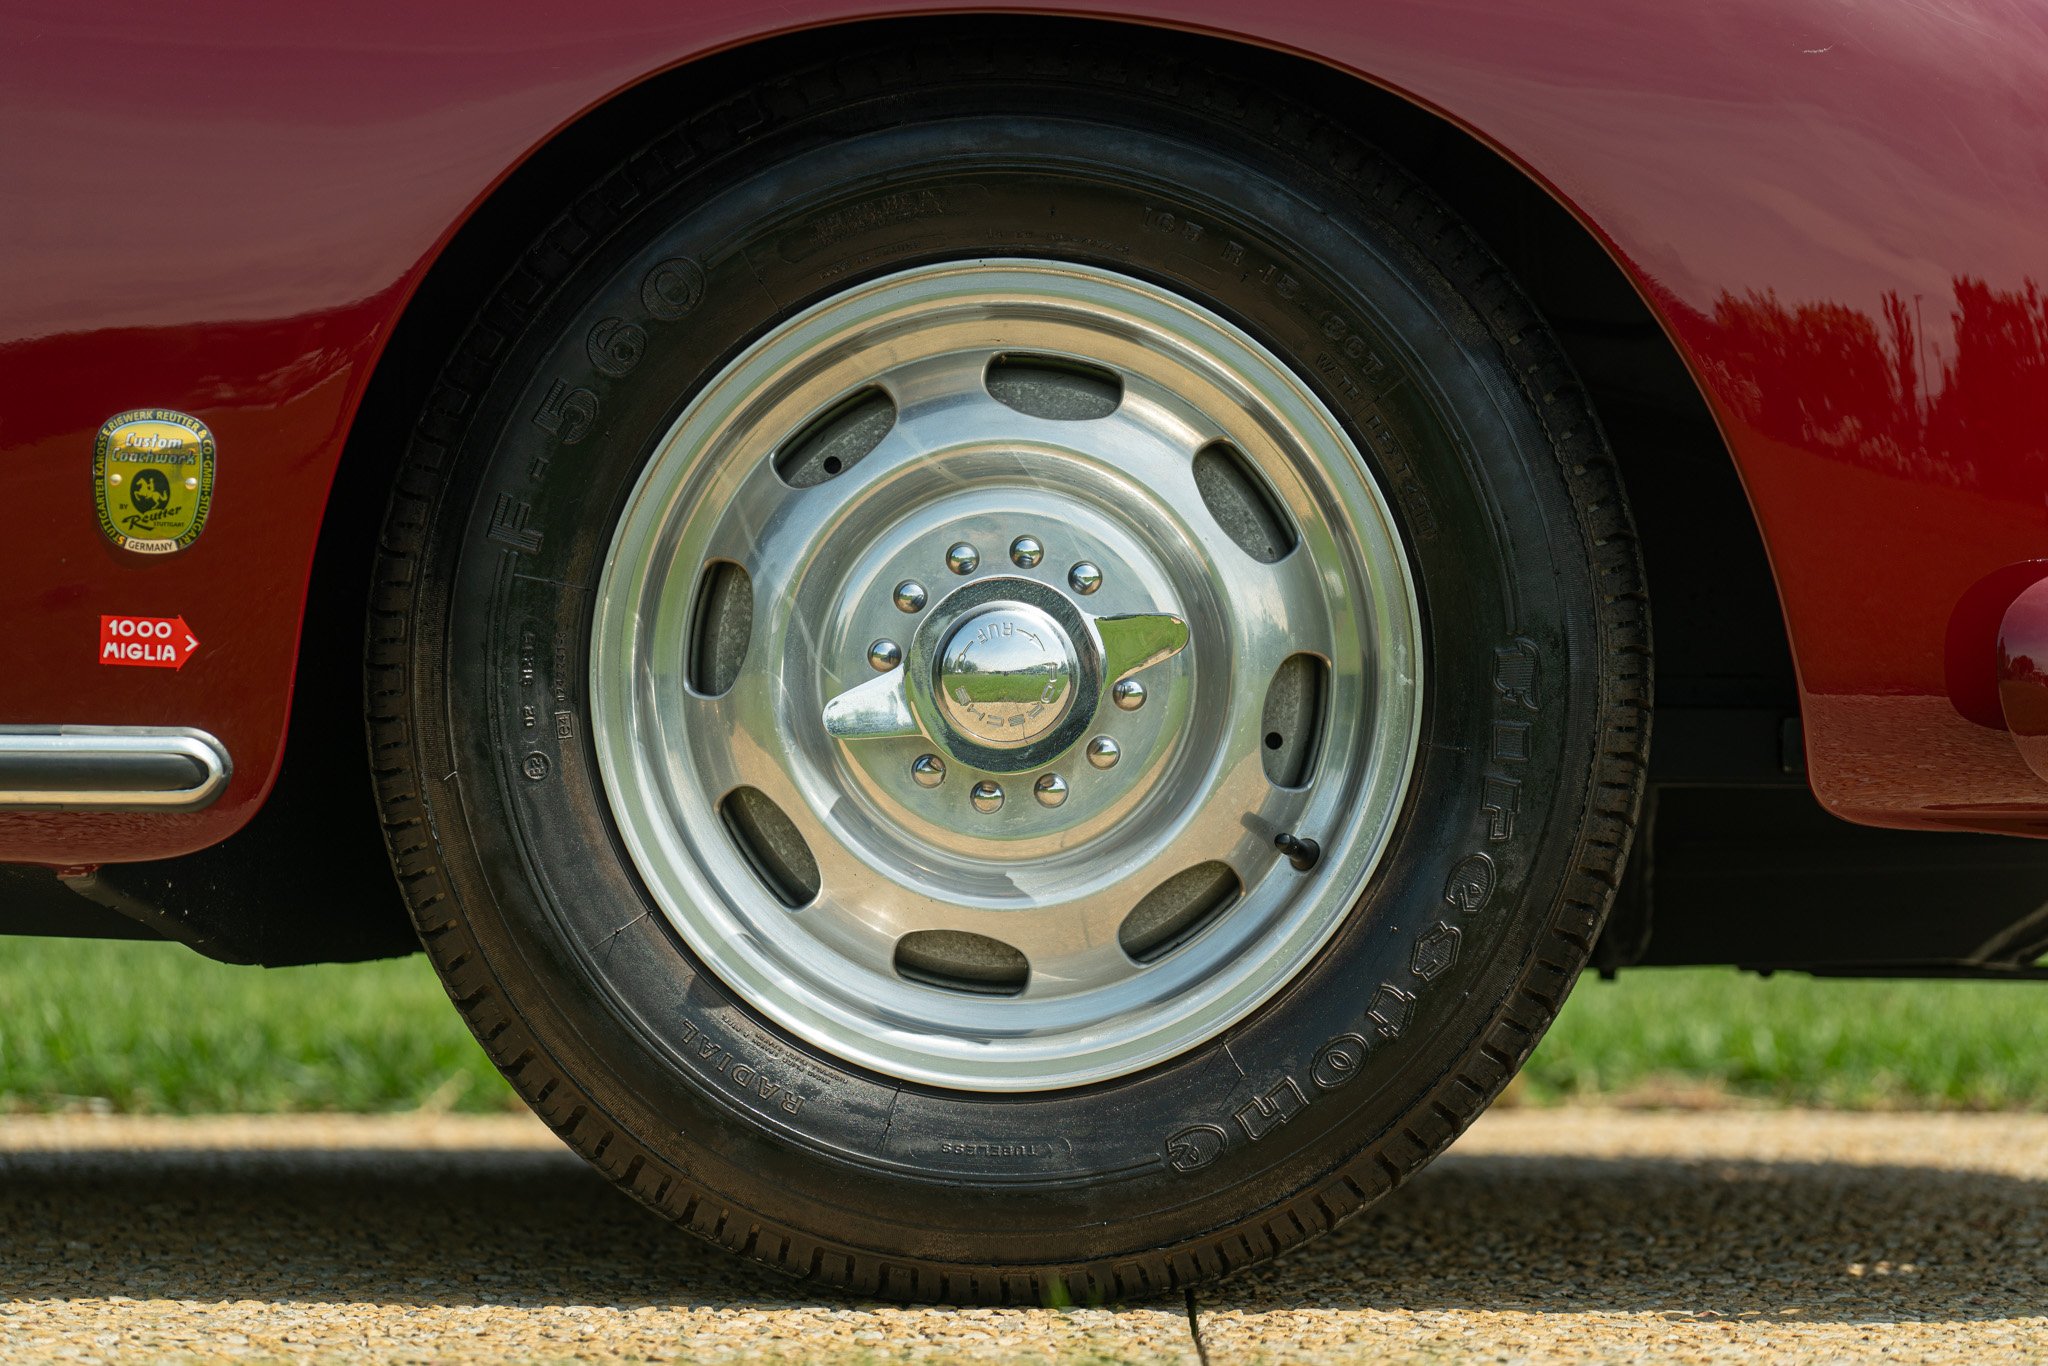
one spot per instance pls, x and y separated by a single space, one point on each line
1006 675
963 651
1008 688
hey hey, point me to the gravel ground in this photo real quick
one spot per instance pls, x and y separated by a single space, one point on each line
1566 1235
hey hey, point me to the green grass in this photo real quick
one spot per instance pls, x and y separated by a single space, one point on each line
156 1028
1679 1034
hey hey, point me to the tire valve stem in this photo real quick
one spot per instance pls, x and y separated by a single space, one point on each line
1301 853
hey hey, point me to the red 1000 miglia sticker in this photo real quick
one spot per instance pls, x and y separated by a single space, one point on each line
146 642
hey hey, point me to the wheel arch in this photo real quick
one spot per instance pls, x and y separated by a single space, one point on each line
1639 382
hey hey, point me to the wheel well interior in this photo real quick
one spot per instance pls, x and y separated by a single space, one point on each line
1720 635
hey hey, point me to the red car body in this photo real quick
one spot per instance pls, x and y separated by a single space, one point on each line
1835 212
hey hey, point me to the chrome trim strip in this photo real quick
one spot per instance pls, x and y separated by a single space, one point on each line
110 768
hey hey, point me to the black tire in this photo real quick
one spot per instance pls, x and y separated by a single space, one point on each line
1439 983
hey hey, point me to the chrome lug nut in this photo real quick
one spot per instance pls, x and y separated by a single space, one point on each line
1050 789
1103 752
1129 694
986 796
1026 552
928 770
1084 578
884 655
909 596
962 558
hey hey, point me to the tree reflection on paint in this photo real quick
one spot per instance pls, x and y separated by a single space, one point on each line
1888 392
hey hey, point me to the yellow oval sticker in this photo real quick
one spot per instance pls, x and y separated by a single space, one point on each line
152 479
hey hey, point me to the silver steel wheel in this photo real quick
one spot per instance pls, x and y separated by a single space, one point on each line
975 658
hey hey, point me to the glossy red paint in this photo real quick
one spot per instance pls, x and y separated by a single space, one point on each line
1835 210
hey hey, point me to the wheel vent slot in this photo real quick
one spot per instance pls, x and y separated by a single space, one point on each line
1178 909
1242 504
959 961
1054 387
771 845
1293 720
721 627
836 440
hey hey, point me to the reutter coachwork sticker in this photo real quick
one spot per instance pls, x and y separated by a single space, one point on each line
152 479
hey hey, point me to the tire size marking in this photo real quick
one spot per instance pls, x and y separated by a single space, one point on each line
509 517
547 705
1393 457
529 657
560 682
673 289
867 215
567 414
669 292
1186 229
1344 332
1468 892
1349 364
615 346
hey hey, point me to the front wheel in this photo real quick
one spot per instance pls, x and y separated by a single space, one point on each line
1008 687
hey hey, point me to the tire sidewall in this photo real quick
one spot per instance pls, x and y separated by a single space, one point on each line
1333 1063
